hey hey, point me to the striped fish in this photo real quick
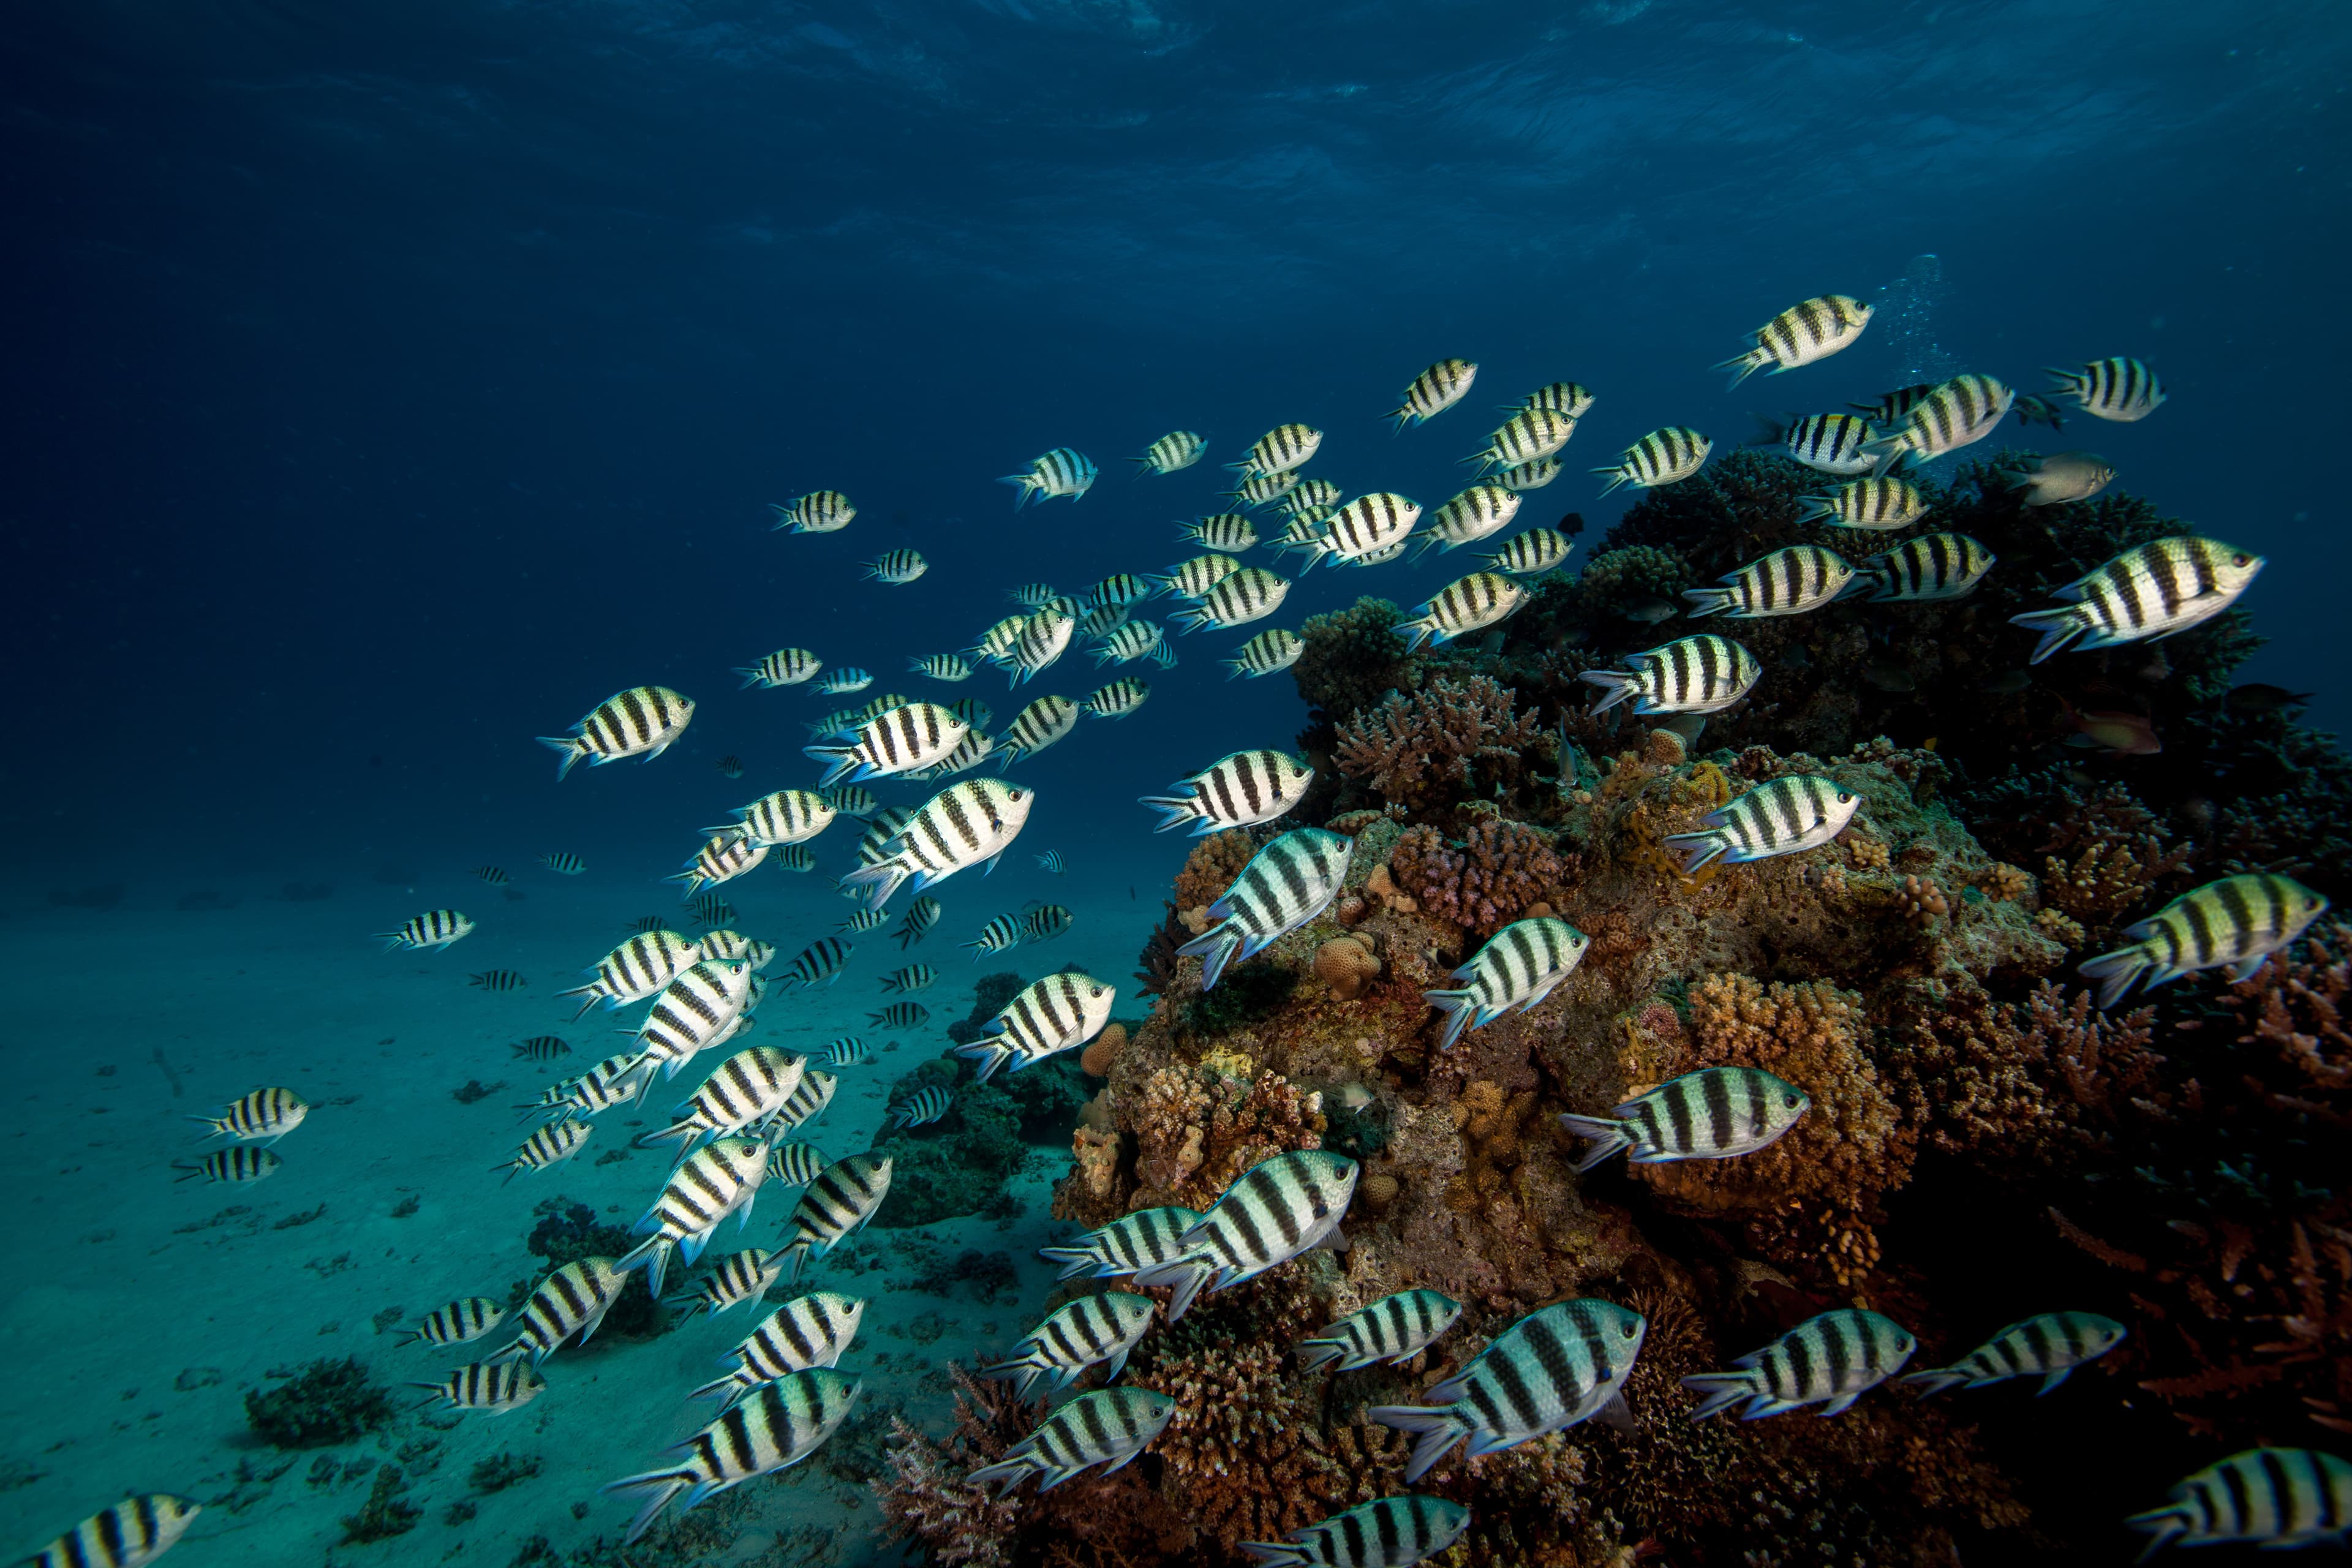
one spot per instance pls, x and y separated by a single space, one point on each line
1715 1113
1394 1328
1192 578
897 741
729 767
996 642
916 923
895 566
1832 1361
853 800
972 711
819 512
722 858
2048 1346
1260 490
565 1307
863 921
498 980
1780 816
1268 652
1521 965
1788 582
635 970
548 1147
1690 675
1315 498
738 1277
718 1180
1560 396
1433 392
1177 449
874 844
1303 533
1100 623
1249 595
2281 1498
494 1386
1828 443
775 1427
1388 1532
947 666
1116 698
1528 475
132 1534
610 1082
1465 605
1932 566
2155 590
237 1165
1108 1427
2032 410
1477 513
1055 1013
1273 1212
913 978
492 875
1164 656
974 749
1060 472
1280 450
795 1164
1882 502
2237 921
967 824
808 1101
1664 456
896 1016
1033 595
925 1106
1143 1239
1224 530
1529 555
1957 413
646 923
1806 332
563 863
1044 637
639 723
1380 557
1036 727
806 1332
1526 437
850 718
1236 791
747 1089
1365 526
1128 642
1045 922
2120 389
847 1051
838 1203
694 1012
779 817
266 1115
819 964
541 1048
785 667
1120 589
457 1323
1288 883
1051 863
433 928
1545 1372
999 935
1099 1328
1895 406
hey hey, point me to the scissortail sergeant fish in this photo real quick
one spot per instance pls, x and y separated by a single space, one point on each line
132 1534
1236 791
1142 1240
819 512
732 1280
1883 504
1932 566
1832 1361
1955 414
1280 450
1545 1372
721 859
2237 921
975 749
1715 1113
916 923
238 1165
1044 637
1528 476
1526 437
895 566
1060 472
1036 727
1387 1532
1560 396
725 944
1046 922
1228 531
896 1016
819 964
2048 1346
639 723
1780 816
785 667
1055 1013
2155 590
1691 674
807 1103
712 1183
1664 456
1249 595
781 816
896 741
497 1388
1177 449
1806 332
1002 934
1268 652
1288 883
1193 577
925 1106
1128 641
1394 1328
433 928
1100 1327
775 1427
1465 605
457 1323
264 1116
1108 1427
806 1332
1521 965
747 1089
1826 443
2120 389
1478 512
614 1082
1262 489
1273 1212
566 1307
796 1164
548 1147
1788 582
2280 1498
1364 528
1117 699
693 1013
1433 392
967 824
838 1203
1532 554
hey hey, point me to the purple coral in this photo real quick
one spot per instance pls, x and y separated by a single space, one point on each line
1447 740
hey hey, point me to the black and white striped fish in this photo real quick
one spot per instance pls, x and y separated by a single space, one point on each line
1227 531
264 1116
541 1048
1116 698
719 1179
724 943
493 1386
1060 472
785 667
1262 489
1100 624
1892 408
693 1013
1285 884
856 800
565 1307
1521 965
1702 674
1120 590
779 817
1249 595
1312 499
1052 864
641 926
498 980
1056 1013
1433 392
913 978
1465 605
639 723
916 923
863 921
2237 921
1932 566
897 741
819 512
1832 1361
1101 1328
495 877
132 1534
1532 554
1036 727
1545 1372
1479 511
635 970
1715 1113
995 644
615 1080
1032 596
2120 389
1528 476
1388 1532
1142 1240
1806 332
1043 922
1664 456
563 863
1280 450
2155 590
1364 527
550 1146
459 1322
1108 1427
1273 1212
838 1203
2278 1498
847 1051
776 1426
1235 791
806 1332
1164 656
1394 1328
1268 652
947 666
1529 435
1002 934
898 1015
819 964
2048 1346
722 858
1882 502
1827 443
1044 637
433 928
732 1280
874 844
808 1101
967 824
747 1089
1559 396
1177 449
238 1164
1788 582
925 1106
895 566
1193 577
795 1164
1779 816
1955 414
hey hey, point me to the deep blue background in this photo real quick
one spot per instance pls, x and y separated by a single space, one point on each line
388 382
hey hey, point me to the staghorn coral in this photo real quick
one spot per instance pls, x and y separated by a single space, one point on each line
1446 742
1484 882
2109 878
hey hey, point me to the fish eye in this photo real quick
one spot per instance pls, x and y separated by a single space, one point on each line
1791 1101
1014 795
1628 1331
2239 560
1844 796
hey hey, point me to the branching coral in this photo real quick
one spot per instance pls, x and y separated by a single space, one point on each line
1446 741
1354 659
1199 1127
1483 883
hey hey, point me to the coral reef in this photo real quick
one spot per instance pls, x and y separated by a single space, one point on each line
961 1163
384 1515
1484 882
1346 964
330 1401
1445 744
1097 1058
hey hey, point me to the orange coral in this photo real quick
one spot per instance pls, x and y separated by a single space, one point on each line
1097 1058
1448 739
1211 867
1197 1129
1346 965
1484 883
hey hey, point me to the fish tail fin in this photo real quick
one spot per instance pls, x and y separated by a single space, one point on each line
1699 848
1608 1137
653 1253
1619 684
1706 602
657 1488
1004 1475
1615 474
1745 365
986 1056
1214 948
1025 484
1316 1354
1723 1390
1186 1275
2061 626
570 748
2115 972
2164 1523
1435 1429
1191 620
1277 1552
1936 1380
1175 811
795 1258
1459 1006
1416 632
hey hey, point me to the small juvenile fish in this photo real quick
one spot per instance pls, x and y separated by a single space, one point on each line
2048 1346
897 741
785 667
1664 456
1715 1113
1529 435
1312 500
1036 727
498 980
995 644
850 800
541 1048
264 1116
1882 502
779 817
2237 921
1528 475
711 909
565 1307
132 1534
895 566
1236 791
1273 1212
721 1179
610 1082
836 1205
636 969
563 863
738 1277
550 1146
1954 413
1477 512
2159 589
1388 1532
722 858
1894 407
913 978
1050 862
796 1164
1192 578
1001 934
1044 637
2060 478
794 857
1433 392
776 1426
1164 656
1108 1427
1364 527
1268 652
806 1332
1056 1013
1128 641
1116 699
924 1106
1788 582
2031 410
433 928
916 923
843 681
1702 674
808 1101
1831 1360
1545 1372
1032 596
1560 397
1060 472
693 1013
1100 623
847 1051
457 1323
1226 530
819 964
968 824
2280 1498
1780 816
1142 1240
1806 332
1521 965
1249 595
494 1386
1046 922
1177 449
1285 884
1259 490
1102 1328
492 875
730 767
899 1015
1932 566
865 920
2120 389
639 723
239 1163
947 666
1465 605
1537 550
1647 609
819 512
1394 1328
1827 443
